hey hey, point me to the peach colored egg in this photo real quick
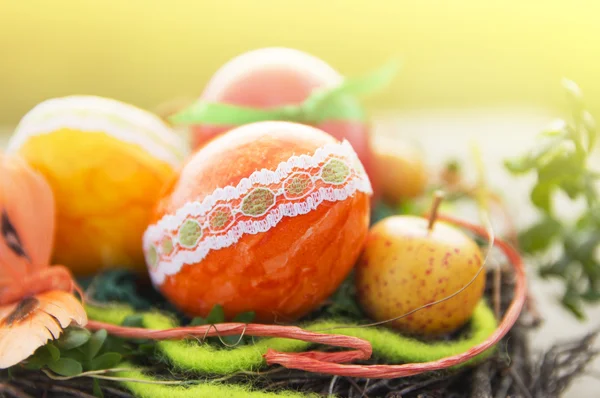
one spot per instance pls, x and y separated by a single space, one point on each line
272 77
269 217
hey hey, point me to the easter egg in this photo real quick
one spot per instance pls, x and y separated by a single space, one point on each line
269 217
400 170
272 77
405 265
106 162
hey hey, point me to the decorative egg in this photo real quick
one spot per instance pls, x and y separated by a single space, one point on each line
409 263
400 170
269 217
271 77
106 162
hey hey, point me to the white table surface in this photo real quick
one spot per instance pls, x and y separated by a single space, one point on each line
499 133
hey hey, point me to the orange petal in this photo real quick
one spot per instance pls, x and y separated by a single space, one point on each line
27 207
29 324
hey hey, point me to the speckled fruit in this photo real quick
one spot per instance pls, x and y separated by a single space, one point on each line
405 266
271 77
106 162
281 273
400 170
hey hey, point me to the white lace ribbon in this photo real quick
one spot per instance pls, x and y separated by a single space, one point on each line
168 260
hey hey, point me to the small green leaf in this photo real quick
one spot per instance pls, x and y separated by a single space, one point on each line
198 321
554 132
591 296
106 361
561 162
216 315
35 363
54 352
541 196
40 358
66 367
540 236
76 354
95 344
134 321
519 165
573 187
556 269
73 337
572 301
342 107
244 317
122 346
96 390
147 348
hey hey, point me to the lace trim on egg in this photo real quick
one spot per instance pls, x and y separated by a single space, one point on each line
256 204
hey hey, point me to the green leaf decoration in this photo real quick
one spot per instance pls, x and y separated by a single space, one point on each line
540 236
106 361
244 317
39 359
225 114
96 390
76 354
572 301
519 165
66 367
95 344
73 337
340 107
375 81
336 103
591 296
198 321
216 315
134 321
541 196
54 352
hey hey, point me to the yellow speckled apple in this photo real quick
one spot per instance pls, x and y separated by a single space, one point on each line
406 265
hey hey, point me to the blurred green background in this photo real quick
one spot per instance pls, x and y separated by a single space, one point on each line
460 53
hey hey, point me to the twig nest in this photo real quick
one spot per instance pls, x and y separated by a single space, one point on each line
405 266
106 162
269 217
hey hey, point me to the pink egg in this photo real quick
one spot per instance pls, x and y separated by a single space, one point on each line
272 77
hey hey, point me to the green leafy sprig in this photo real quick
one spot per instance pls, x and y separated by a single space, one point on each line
561 162
79 352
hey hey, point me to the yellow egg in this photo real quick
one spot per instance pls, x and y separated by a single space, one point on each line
107 162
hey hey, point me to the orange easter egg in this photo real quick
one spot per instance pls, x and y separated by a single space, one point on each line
269 217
